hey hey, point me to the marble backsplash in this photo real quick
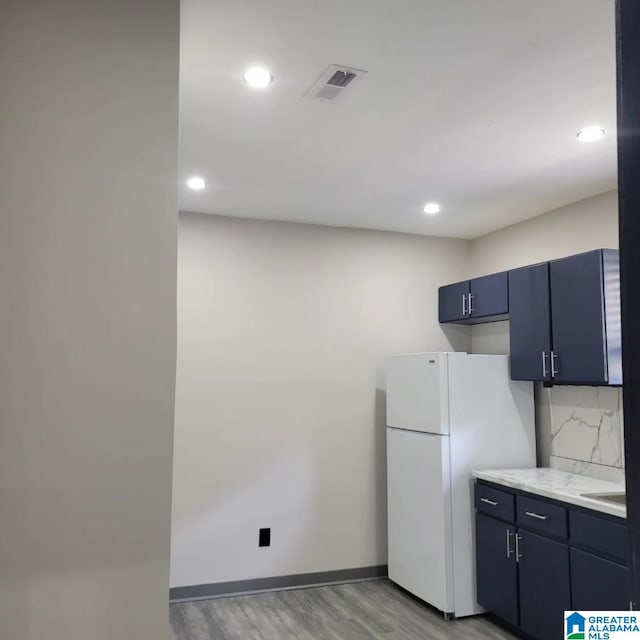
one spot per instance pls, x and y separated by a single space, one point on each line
580 429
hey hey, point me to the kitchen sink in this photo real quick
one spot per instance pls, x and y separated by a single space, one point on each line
616 498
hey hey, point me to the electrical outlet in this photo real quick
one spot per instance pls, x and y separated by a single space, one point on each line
264 537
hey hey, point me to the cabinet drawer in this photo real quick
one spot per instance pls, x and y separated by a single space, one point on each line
494 502
599 535
541 516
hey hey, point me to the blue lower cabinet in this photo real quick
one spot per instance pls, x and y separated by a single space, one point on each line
497 573
545 590
545 557
598 584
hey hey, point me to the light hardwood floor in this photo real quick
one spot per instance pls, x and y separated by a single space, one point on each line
358 611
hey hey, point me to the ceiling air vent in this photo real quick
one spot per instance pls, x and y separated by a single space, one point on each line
333 81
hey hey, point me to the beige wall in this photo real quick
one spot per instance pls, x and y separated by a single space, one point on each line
88 133
282 334
588 224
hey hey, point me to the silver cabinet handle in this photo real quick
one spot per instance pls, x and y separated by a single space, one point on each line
518 554
531 514
553 359
493 503
464 304
544 364
509 534
470 305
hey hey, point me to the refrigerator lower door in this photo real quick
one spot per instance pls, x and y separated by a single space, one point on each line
419 516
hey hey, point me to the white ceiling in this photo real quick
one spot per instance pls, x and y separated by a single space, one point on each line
472 103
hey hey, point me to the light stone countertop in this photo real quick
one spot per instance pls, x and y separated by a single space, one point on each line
558 485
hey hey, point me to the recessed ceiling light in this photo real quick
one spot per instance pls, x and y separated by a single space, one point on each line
591 134
431 208
258 77
196 183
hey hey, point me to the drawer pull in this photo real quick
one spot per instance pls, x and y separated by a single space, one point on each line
535 515
493 503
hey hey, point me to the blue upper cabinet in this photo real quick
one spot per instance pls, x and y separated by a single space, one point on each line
453 301
530 323
565 320
564 317
475 301
585 318
489 297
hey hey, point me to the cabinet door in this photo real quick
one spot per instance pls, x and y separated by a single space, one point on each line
496 569
578 319
598 584
453 302
530 322
489 295
544 583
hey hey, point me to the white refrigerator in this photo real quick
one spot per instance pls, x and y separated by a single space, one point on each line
447 413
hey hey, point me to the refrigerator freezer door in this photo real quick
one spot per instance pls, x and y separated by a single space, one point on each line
417 392
419 516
